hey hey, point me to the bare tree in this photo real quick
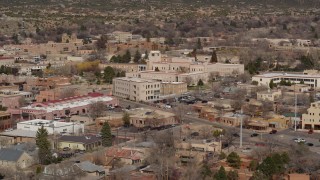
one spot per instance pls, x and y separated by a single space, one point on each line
162 155
229 137
153 122
180 111
188 80
97 109
22 101
67 92
267 107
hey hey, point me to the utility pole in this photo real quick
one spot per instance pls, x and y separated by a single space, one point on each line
295 113
241 119
295 108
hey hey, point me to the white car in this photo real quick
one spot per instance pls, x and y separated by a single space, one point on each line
298 140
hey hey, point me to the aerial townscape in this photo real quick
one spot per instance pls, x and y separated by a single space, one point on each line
160 89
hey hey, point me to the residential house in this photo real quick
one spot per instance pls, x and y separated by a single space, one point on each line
296 176
12 158
91 169
300 88
200 145
127 156
232 119
141 117
257 124
86 143
20 136
269 95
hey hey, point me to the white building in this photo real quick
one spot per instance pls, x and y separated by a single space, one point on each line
265 79
53 127
136 89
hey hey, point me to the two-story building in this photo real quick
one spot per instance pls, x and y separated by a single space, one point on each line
311 120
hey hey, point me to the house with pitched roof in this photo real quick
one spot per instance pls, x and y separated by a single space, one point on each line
13 158
127 156
84 143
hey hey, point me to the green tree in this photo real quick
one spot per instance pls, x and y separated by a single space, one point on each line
253 165
106 135
101 42
108 74
146 55
221 174
234 160
200 82
42 142
222 155
258 175
199 45
217 133
126 58
274 164
137 57
126 119
214 58
254 83
233 175
205 171
272 84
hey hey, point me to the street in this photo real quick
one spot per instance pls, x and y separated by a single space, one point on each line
281 138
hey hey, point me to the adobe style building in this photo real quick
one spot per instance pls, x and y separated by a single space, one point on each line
77 105
5 121
126 67
311 120
141 117
182 64
136 89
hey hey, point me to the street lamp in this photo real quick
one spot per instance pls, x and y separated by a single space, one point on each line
241 119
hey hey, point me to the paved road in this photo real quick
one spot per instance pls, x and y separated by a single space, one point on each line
281 138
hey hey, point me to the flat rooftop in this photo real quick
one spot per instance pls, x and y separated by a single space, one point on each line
138 80
72 102
149 113
272 75
46 123
20 133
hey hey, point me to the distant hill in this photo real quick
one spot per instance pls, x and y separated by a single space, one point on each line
119 3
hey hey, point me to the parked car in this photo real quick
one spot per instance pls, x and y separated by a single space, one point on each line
195 134
260 144
273 131
235 135
66 149
310 131
254 135
298 140
309 144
